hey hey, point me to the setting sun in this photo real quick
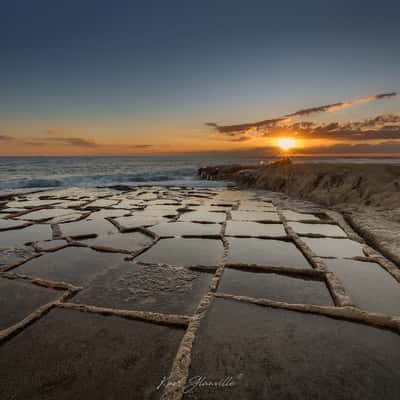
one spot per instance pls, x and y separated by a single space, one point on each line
286 143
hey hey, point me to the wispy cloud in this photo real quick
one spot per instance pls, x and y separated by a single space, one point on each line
271 123
342 104
388 147
140 146
74 141
35 143
6 138
245 127
386 126
53 137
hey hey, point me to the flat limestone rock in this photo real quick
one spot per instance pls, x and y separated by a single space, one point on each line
275 287
100 203
76 355
71 217
12 210
100 227
265 252
107 213
296 216
254 229
317 229
186 229
146 196
203 216
278 354
15 255
75 265
330 247
48 213
119 262
133 222
256 216
131 242
18 298
50 245
368 285
129 204
18 237
184 252
6 224
253 205
171 290
32 203
160 210
72 203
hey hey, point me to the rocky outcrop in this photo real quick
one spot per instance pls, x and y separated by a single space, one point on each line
368 195
329 184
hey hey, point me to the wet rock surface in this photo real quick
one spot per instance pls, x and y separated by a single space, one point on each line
78 355
254 229
138 292
75 265
129 242
184 252
368 284
172 229
275 287
278 354
19 298
166 289
265 252
338 248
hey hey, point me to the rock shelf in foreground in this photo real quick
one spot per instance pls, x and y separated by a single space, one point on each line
179 293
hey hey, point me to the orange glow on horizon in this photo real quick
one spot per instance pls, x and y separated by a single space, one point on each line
286 143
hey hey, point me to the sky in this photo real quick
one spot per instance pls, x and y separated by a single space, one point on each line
132 77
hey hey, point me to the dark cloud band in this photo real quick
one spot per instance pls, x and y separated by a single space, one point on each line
274 122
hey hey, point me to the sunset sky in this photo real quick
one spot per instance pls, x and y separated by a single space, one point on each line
128 77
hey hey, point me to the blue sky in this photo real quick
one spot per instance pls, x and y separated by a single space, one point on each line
156 70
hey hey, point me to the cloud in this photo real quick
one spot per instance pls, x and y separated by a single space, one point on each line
54 135
34 143
386 126
245 127
240 138
271 123
387 147
6 138
140 146
341 149
385 95
381 127
342 104
74 141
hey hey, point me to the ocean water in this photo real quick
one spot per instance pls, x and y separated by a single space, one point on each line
23 173
53 172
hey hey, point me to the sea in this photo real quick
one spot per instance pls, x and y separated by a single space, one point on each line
29 173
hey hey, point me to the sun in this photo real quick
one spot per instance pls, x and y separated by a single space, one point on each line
286 143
